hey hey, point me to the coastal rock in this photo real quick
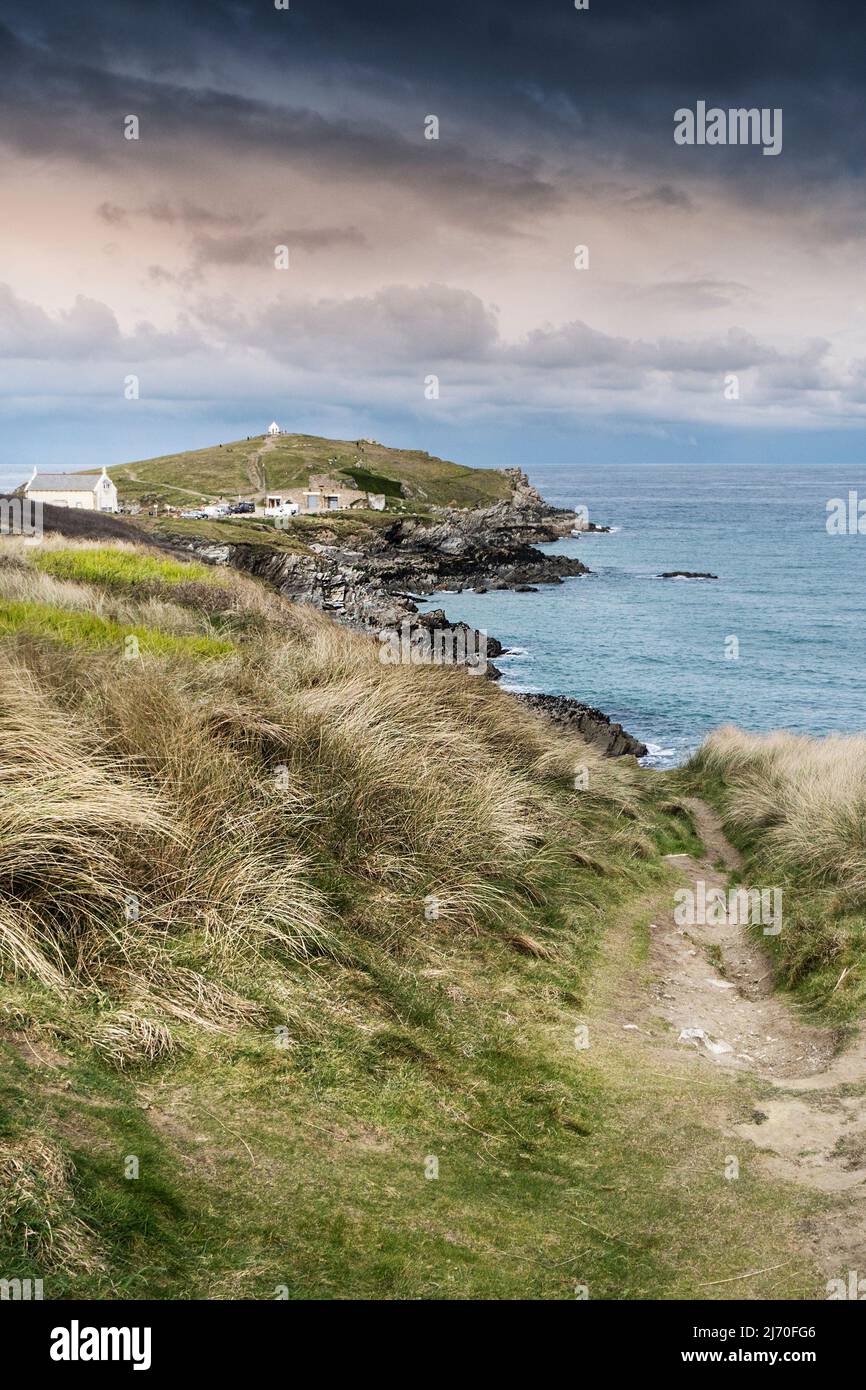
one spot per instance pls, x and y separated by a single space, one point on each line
490 547
687 574
435 620
590 723
524 494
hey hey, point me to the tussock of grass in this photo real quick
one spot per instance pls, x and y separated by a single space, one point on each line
149 609
71 827
797 805
37 1219
129 586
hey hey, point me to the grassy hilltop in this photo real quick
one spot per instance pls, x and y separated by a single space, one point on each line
250 467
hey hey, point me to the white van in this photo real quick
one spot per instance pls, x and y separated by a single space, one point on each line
276 506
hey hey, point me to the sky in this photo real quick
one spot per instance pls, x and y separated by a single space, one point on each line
431 297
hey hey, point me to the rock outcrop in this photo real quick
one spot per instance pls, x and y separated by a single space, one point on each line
687 574
493 547
590 723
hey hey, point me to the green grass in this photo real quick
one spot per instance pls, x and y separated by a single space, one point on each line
91 630
120 568
673 828
221 531
365 481
186 479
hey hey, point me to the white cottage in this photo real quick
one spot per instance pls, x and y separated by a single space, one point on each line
273 428
92 492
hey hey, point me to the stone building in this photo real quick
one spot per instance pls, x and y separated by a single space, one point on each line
93 492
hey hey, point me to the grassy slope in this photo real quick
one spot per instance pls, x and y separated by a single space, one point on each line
796 808
243 468
282 814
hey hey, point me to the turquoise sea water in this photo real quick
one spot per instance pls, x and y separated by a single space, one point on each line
651 652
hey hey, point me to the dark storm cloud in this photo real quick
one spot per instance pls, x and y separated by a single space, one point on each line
112 214
576 344
533 82
224 239
616 46
305 127
692 295
663 196
189 214
51 106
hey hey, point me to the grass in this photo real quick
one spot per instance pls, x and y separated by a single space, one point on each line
217 959
796 806
220 530
119 568
90 630
556 1168
365 481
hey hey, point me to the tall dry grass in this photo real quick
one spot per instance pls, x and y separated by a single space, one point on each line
798 804
804 797
273 805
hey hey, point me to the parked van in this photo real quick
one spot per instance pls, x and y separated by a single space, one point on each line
277 506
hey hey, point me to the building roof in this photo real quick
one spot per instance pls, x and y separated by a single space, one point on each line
64 482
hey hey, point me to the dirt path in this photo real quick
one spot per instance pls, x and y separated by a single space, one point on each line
713 986
255 467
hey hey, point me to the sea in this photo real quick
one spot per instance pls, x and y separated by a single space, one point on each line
778 641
